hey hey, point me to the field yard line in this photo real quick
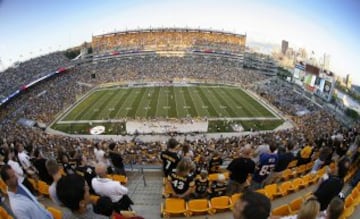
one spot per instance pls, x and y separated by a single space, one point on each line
239 100
214 99
88 113
218 92
210 119
69 109
193 103
174 100
83 110
199 103
128 102
251 106
109 104
181 98
99 105
141 101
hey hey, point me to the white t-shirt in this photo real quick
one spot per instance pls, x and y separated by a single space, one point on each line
18 170
109 188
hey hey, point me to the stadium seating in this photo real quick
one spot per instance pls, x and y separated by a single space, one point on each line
282 210
196 206
174 206
57 214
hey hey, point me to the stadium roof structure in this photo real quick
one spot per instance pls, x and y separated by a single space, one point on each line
171 29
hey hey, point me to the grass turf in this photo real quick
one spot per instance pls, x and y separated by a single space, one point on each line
213 102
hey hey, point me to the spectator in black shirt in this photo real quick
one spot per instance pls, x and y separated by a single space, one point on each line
215 162
39 163
239 169
86 171
116 160
170 157
332 184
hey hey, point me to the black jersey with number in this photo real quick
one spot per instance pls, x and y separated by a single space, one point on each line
217 189
180 184
170 160
201 185
214 164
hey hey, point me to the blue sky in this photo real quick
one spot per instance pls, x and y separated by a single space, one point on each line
30 28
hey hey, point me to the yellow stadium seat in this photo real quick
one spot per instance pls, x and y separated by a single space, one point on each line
286 174
197 206
3 186
220 203
4 214
292 164
283 189
174 206
270 190
57 214
94 198
33 182
295 205
43 188
309 166
234 198
349 202
347 213
282 210
300 170
120 178
305 181
295 184
355 195
308 195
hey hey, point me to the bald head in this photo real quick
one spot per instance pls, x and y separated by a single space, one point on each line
100 169
247 150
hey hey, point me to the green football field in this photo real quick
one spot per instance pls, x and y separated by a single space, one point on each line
213 102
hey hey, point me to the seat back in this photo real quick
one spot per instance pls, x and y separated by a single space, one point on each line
43 188
56 213
4 214
285 186
348 201
235 197
221 202
282 210
175 205
120 178
198 205
270 190
292 164
286 174
295 204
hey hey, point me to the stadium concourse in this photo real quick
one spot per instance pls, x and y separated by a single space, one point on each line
317 132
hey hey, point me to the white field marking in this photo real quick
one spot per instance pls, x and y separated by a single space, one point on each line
223 107
187 107
147 108
166 107
96 110
111 109
128 108
205 107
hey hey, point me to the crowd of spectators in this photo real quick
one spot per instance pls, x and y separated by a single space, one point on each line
44 101
15 77
167 40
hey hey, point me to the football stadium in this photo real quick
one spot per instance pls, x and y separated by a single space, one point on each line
174 122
